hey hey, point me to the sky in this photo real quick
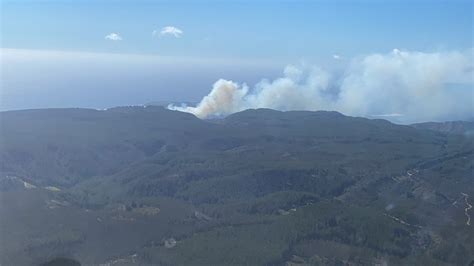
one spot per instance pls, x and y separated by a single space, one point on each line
102 53
272 30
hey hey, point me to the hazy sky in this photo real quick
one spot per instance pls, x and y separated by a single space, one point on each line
101 53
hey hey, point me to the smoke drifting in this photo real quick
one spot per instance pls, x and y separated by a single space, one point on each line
402 86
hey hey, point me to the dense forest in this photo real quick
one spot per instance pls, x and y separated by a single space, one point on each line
150 186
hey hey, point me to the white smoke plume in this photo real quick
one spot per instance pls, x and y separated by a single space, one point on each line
415 86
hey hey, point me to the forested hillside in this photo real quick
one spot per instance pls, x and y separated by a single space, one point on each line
150 186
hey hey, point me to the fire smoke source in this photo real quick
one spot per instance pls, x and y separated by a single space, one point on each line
415 86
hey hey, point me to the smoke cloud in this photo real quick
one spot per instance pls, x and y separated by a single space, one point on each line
401 86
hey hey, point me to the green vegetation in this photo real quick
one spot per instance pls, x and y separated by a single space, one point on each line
260 187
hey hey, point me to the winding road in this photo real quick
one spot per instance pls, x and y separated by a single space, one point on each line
402 221
466 210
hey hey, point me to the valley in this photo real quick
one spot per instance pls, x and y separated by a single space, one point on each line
150 186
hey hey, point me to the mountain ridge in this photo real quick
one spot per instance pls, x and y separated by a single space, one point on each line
324 187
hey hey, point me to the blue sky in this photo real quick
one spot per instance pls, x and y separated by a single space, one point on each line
287 30
239 40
